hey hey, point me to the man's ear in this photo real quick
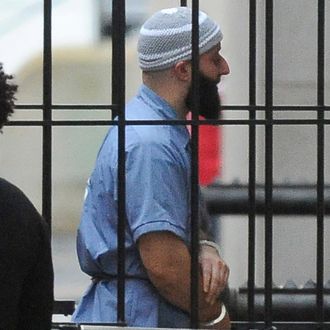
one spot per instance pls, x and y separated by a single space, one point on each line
182 70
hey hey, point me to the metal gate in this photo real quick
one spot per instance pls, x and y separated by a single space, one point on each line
252 122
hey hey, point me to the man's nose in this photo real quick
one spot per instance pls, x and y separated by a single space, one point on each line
224 67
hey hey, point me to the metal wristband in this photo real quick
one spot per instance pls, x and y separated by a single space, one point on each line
212 244
217 320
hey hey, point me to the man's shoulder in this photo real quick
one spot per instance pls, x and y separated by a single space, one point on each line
138 109
149 133
147 138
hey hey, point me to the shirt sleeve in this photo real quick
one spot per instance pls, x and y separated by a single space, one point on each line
157 191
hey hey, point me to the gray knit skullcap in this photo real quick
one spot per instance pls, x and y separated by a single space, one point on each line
165 38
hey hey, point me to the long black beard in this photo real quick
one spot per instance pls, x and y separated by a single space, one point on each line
209 99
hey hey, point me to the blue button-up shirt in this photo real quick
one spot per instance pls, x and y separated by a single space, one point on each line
157 199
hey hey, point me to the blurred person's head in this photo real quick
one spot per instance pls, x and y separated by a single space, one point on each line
7 96
165 53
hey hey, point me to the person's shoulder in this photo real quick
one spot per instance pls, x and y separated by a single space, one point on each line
7 188
15 203
146 137
138 109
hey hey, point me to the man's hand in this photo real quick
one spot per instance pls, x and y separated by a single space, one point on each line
215 273
168 262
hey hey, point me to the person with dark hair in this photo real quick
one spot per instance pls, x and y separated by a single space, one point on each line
158 187
26 270
7 97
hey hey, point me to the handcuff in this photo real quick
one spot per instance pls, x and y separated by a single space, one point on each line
212 244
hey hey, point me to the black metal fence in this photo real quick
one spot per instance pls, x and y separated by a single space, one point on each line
250 203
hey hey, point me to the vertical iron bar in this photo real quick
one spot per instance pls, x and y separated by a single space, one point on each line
269 164
194 168
252 162
183 3
320 162
118 98
47 115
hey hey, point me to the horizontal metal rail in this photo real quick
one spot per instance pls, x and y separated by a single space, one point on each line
223 108
287 199
236 325
288 304
227 122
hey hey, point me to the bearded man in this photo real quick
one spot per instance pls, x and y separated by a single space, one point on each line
158 258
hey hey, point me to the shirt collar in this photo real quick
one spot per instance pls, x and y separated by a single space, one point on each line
157 103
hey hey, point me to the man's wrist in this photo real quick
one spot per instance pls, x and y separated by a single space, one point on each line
212 244
217 320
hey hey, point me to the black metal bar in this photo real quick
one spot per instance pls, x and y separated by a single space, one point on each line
320 162
277 325
47 115
63 107
227 122
252 160
276 108
183 3
269 164
65 307
287 199
224 107
235 326
194 168
289 304
118 98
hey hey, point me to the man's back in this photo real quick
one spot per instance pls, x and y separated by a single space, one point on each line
26 271
153 154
